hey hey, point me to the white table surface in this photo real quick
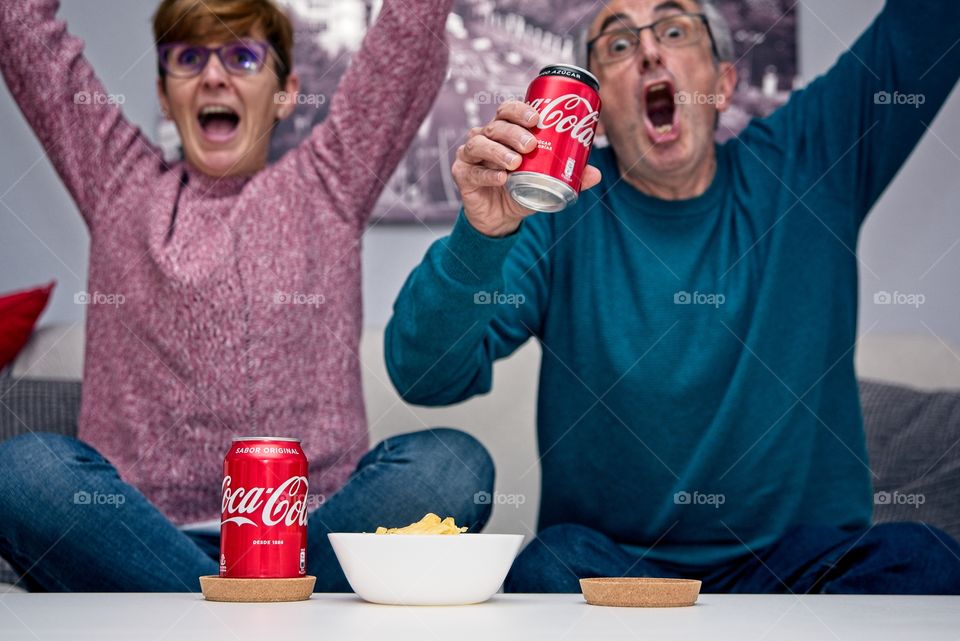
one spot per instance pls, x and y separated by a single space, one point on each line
326 617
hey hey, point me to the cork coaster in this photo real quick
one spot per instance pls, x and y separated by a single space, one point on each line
640 593
216 588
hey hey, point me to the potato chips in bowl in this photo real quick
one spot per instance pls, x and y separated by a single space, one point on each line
431 562
429 524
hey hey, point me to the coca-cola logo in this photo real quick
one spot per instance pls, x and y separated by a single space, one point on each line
286 504
561 114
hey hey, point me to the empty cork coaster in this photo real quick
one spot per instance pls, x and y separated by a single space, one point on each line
217 588
640 593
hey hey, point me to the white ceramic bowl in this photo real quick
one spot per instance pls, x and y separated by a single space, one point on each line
425 569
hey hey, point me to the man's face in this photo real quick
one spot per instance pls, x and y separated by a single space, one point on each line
225 120
659 105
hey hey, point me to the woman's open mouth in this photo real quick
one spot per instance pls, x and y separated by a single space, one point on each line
218 123
661 115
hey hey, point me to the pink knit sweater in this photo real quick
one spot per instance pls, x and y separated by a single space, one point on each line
241 300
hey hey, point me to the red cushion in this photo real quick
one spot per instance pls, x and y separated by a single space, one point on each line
19 312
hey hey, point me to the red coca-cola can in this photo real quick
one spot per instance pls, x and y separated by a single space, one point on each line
568 101
263 515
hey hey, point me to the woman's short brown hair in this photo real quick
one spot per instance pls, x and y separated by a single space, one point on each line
202 21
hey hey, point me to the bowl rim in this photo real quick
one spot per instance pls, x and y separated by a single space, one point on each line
388 537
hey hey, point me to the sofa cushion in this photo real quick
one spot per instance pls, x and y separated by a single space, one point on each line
19 312
54 352
913 441
38 406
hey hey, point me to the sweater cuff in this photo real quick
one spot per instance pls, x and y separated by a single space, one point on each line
473 258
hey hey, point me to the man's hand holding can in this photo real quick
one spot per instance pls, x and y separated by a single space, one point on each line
482 165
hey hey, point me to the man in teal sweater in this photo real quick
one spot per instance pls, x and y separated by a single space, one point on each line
698 411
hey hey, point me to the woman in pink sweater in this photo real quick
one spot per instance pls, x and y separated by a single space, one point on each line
241 295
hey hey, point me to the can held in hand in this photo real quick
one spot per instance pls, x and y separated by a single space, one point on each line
263 519
568 101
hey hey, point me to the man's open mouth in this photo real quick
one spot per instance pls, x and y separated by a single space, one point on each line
218 122
660 112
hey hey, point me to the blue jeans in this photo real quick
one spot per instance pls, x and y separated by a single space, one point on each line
126 544
889 558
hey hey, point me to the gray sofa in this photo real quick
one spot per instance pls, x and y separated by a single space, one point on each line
913 436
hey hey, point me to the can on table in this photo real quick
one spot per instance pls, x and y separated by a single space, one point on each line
263 518
568 100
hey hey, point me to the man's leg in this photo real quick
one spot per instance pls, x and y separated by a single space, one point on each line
888 558
68 523
561 555
396 483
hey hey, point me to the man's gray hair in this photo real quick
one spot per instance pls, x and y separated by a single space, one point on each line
721 30
718 26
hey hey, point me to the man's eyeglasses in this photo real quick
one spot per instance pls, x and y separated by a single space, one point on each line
241 58
680 30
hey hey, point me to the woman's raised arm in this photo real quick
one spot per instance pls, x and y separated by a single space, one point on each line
80 126
381 101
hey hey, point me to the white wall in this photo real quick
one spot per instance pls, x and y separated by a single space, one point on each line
911 242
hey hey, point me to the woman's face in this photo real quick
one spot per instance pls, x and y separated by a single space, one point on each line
225 119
